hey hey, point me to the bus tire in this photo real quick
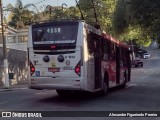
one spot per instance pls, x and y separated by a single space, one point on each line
105 85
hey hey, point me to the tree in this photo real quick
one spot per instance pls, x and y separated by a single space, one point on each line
20 15
58 13
73 12
119 18
142 13
147 15
135 34
104 10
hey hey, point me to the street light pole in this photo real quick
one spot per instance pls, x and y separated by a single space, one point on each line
6 77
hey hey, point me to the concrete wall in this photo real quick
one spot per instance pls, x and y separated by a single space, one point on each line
17 61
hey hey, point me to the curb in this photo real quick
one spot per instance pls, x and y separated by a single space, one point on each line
14 87
5 89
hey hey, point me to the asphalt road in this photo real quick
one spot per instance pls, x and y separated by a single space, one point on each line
141 94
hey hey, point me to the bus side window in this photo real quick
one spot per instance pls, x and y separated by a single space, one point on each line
112 52
105 50
109 49
90 44
121 59
124 58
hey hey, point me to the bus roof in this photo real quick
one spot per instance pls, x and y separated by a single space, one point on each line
109 37
56 21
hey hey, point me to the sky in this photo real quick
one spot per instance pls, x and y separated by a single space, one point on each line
40 4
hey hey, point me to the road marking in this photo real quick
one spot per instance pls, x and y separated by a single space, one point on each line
140 69
3 102
147 62
134 76
130 85
148 74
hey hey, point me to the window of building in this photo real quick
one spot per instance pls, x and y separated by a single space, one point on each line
22 39
11 39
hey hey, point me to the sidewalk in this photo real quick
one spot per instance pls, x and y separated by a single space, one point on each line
13 87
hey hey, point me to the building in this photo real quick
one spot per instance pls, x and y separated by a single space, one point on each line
15 39
16 43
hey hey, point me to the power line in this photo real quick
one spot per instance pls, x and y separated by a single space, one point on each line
38 2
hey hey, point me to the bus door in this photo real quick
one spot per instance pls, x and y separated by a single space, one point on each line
94 66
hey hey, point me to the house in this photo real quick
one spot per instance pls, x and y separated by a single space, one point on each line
15 39
16 43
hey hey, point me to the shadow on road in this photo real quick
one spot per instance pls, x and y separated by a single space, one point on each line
78 97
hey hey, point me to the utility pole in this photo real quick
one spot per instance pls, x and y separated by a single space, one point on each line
6 77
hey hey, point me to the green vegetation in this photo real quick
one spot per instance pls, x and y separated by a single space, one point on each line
141 17
125 19
20 15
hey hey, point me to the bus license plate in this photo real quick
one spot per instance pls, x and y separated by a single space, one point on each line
53 69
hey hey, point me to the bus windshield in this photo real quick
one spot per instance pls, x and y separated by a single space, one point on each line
55 33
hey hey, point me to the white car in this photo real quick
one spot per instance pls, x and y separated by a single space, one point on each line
146 55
